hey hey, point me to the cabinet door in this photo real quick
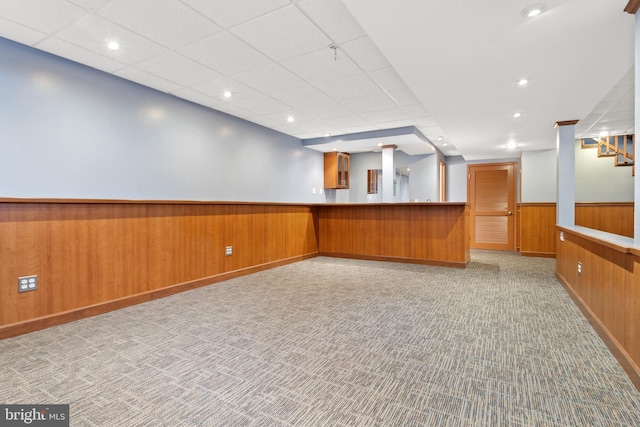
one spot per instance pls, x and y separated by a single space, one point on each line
343 170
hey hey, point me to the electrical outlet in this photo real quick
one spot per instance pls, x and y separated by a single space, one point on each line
27 283
228 250
579 269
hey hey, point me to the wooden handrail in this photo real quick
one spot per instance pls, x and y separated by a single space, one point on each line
632 7
615 148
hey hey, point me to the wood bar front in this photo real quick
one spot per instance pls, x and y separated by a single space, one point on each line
423 233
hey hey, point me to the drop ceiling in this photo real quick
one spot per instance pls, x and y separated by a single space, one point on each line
447 68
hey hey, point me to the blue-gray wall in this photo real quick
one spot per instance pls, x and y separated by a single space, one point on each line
69 131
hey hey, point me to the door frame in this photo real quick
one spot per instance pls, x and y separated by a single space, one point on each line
512 229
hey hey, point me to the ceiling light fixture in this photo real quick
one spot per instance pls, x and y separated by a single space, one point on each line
511 145
604 133
327 134
227 94
440 138
290 119
534 10
523 82
517 115
335 148
113 45
444 144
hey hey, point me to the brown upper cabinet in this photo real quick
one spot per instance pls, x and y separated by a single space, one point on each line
336 170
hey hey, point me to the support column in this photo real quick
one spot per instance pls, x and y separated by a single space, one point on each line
388 172
566 162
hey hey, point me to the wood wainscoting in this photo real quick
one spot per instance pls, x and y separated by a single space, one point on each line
612 217
537 229
538 223
424 233
95 256
607 290
91 257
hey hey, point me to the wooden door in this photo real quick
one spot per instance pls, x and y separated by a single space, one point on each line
492 195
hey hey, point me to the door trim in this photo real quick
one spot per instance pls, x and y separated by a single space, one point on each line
512 228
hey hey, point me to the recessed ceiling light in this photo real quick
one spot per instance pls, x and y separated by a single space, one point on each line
440 138
523 82
290 119
327 134
517 115
113 45
534 10
511 145
604 133
379 144
335 148
444 144
227 94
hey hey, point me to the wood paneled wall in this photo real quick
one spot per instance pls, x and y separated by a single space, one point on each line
608 291
94 257
538 222
537 229
616 218
426 233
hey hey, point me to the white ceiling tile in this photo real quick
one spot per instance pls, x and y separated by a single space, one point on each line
416 110
305 96
425 121
366 54
395 124
350 87
328 111
167 22
320 66
618 92
313 126
42 15
19 33
197 97
363 104
389 115
270 79
228 13
404 97
334 19
260 104
603 107
146 79
225 53
89 4
78 54
217 87
282 34
614 116
347 121
178 69
431 131
93 33
388 78
298 116
356 129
